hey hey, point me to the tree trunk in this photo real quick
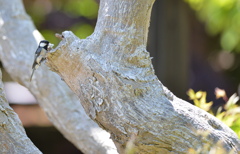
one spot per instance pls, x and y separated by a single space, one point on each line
13 138
18 42
112 74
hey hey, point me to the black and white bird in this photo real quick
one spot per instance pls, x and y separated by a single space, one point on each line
40 55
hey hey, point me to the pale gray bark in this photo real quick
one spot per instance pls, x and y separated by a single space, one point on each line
18 42
13 138
112 74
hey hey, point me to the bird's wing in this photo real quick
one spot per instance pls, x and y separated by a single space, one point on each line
38 51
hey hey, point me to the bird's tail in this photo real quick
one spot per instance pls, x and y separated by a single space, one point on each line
32 75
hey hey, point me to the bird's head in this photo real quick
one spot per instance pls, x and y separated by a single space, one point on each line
44 44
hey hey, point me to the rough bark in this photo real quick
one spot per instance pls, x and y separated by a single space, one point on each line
13 138
18 42
112 74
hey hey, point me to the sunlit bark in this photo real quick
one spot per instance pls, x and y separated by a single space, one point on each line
112 74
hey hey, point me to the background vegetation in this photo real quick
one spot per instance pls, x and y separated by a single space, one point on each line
229 113
221 17
55 16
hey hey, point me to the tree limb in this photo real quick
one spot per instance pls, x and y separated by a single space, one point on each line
18 42
112 74
13 138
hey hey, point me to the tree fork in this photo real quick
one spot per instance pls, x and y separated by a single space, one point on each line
112 74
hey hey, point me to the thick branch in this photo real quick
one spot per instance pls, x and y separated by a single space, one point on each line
18 42
13 138
125 18
111 73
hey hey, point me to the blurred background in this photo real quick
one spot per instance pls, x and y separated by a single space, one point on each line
194 44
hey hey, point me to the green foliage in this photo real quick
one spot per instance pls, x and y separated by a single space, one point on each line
228 114
74 9
221 17
199 99
86 8
82 30
50 36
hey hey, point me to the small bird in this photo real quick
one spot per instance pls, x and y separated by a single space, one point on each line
40 55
